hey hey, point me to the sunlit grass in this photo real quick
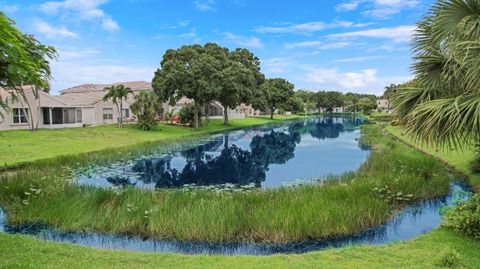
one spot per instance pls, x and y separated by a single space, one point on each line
460 158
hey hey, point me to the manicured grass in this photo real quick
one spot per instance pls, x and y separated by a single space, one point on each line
459 158
17 251
339 207
24 146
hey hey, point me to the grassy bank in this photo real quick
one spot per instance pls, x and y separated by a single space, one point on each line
426 252
25 146
338 207
460 159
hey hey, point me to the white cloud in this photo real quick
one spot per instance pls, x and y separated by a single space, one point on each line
52 32
308 27
317 44
82 10
364 81
277 65
380 9
191 34
347 6
76 54
397 34
109 24
244 41
10 9
205 5
304 44
294 28
358 59
349 80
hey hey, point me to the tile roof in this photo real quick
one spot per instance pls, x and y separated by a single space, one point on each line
134 85
81 98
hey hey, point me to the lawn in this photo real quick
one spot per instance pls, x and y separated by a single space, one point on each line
460 159
427 251
24 146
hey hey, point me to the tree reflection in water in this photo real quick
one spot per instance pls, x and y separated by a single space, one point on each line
220 161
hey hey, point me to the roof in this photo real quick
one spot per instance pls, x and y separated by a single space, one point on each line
46 100
81 98
134 85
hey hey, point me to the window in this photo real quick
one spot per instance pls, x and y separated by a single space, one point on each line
19 115
125 113
69 115
79 116
108 113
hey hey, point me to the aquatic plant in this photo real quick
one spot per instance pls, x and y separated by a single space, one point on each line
333 208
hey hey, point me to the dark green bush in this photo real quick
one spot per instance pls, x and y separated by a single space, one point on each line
147 123
187 115
465 218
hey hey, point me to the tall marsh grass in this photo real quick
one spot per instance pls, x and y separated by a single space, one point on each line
337 206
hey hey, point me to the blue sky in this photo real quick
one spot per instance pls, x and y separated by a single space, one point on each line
351 45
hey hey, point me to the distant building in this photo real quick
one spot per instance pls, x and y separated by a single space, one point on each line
383 105
83 105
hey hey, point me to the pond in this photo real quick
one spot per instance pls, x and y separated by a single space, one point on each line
409 223
266 157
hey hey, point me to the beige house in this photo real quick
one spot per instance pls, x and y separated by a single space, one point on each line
46 111
83 105
383 105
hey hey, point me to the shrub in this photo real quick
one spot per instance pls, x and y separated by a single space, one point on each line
147 122
475 164
448 259
187 115
465 218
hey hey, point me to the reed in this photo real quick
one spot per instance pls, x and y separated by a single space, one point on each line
334 207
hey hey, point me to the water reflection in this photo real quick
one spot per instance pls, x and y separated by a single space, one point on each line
254 156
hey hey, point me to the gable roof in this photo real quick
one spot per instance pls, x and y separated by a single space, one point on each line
84 88
82 98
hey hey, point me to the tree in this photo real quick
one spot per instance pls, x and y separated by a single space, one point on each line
294 104
276 92
333 99
240 77
364 104
23 61
147 106
320 100
117 94
190 72
442 106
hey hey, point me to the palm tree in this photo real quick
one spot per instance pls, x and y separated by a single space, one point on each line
442 104
117 94
147 107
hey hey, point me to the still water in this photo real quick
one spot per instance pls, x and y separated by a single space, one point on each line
266 157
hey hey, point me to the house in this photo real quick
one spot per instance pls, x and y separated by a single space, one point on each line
74 107
83 105
383 105
95 110
215 110
46 111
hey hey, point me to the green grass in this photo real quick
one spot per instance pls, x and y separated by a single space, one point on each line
338 207
23 146
460 159
17 251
